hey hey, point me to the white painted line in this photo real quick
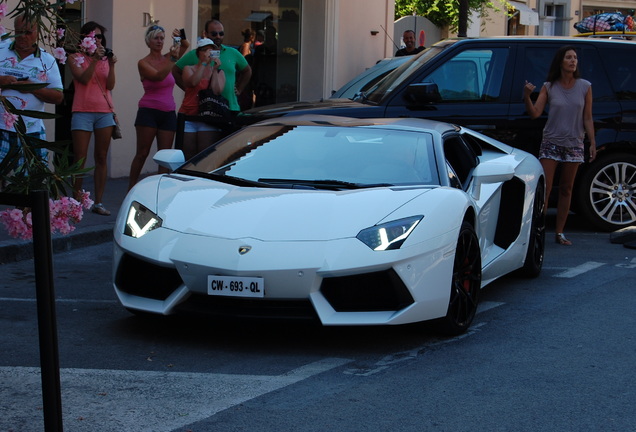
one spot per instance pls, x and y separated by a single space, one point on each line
487 305
119 400
583 268
32 300
399 357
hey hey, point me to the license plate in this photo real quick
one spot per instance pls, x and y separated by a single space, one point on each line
236 286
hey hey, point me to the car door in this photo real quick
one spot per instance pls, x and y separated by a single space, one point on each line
473 80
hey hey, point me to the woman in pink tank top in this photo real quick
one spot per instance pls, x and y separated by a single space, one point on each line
156 117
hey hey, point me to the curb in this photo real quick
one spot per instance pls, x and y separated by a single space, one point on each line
625 236
19 250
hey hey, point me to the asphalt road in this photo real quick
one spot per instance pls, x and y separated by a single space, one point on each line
554 353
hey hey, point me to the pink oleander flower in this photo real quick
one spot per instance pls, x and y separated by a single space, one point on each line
42 76
64 214
88 44
13 61
9 119
3 10
85 199
60 55
60 33
17 223
78 61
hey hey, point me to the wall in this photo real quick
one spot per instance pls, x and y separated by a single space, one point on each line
355 40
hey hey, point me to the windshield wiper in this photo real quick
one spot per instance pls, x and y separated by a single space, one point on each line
320 184
236 181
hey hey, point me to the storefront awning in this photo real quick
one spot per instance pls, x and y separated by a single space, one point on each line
258 16
526 15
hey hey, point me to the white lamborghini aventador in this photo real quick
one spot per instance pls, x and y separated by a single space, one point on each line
348 221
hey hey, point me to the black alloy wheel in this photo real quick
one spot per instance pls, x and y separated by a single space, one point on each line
536 241
465 286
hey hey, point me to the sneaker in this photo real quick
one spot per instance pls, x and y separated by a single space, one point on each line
100 209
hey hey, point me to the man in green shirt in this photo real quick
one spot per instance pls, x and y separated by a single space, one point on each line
237 70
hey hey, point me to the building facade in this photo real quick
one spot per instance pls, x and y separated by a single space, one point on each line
318 46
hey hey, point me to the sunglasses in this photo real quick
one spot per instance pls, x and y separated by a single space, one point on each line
99 36
215 34
156 27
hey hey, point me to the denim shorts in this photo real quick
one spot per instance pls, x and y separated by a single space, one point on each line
157 119
561 153
192 127
9 139
89 121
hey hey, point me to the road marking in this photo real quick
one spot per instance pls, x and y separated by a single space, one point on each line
583 268
412 354
116 400
487 305
32 300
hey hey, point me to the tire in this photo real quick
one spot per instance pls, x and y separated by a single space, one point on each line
606 192
465 285
536 241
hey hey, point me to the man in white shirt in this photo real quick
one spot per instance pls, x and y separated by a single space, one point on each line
23 62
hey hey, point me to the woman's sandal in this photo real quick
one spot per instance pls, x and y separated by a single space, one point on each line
560 239
100 209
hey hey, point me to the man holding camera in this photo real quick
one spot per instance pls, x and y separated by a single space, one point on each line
23 62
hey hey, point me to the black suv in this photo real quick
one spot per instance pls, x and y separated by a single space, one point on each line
478 83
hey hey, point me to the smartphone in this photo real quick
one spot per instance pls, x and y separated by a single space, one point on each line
182 34
215 53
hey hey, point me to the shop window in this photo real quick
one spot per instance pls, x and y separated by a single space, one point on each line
275 51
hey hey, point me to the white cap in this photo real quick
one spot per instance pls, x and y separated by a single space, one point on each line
204 42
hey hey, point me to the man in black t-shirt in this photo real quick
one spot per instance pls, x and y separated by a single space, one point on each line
409 40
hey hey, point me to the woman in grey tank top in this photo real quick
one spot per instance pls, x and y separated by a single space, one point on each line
569 120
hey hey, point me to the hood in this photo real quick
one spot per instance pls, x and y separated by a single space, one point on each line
342 107
210 208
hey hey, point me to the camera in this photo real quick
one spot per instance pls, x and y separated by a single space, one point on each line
108 52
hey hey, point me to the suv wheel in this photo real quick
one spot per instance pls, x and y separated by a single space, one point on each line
607 192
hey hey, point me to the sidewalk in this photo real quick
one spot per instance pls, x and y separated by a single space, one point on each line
93 229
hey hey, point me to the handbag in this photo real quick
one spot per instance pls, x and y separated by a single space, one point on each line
117 128
212 107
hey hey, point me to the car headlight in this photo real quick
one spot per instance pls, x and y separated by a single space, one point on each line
140 220
390 235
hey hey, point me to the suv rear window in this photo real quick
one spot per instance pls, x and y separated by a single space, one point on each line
622 71
537 61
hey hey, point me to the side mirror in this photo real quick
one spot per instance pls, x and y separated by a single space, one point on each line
491 173
423 93
171 159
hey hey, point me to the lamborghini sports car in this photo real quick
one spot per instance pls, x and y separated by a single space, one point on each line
348 221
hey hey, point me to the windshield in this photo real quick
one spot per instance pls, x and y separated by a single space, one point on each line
404 72
319 156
